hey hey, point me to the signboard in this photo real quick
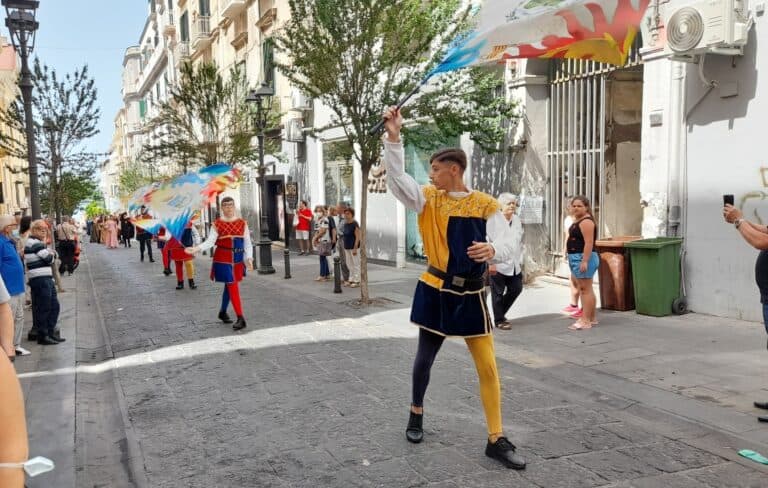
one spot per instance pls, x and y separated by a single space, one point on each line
292 194
532 210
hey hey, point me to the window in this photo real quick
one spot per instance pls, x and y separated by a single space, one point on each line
339 172
142 108
205 8
184 27
157 91
151 6
268 57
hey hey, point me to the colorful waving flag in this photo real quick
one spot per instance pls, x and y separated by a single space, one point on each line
152 226
598 30
139 197
174 202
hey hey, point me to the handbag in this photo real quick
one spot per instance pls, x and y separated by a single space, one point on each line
324 248
295 220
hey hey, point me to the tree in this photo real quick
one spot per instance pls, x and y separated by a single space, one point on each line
205 121
94 209
132 178
356 56
65 116
75 189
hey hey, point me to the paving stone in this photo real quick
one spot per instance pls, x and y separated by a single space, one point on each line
729 475
672 456
442 464
561 473
615 466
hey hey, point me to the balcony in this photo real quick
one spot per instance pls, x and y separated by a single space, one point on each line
231 8
169 29
201 32
182 52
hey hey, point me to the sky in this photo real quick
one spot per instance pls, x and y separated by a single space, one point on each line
92 32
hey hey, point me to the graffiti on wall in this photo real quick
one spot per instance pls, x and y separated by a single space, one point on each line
752 203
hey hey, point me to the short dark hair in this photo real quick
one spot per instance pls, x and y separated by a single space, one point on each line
450 155
350 210
227 200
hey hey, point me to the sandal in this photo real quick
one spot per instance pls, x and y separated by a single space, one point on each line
579 326
320 278
354 285
504 325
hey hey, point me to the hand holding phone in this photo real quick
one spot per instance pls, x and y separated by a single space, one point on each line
728 200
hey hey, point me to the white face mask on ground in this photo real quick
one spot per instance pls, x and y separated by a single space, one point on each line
33 467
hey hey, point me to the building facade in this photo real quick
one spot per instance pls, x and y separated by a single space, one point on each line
14 180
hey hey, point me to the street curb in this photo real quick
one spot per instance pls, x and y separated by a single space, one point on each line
136 458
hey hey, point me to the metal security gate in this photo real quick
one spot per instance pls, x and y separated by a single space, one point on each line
576 152
577 136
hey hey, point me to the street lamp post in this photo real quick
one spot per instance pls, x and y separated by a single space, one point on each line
262 97
21 23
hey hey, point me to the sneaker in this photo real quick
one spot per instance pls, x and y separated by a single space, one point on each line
577 314
570 309
504 451
20 351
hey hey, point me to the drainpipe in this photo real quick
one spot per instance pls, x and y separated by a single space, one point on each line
675 149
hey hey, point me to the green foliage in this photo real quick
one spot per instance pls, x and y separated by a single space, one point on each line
65 115
132 178
358 56
94 209
75 189
205 121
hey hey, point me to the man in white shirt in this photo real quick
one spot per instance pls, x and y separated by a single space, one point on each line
507 277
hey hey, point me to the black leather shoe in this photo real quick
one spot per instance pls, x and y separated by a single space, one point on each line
414 432
180 285
504 451
47 341
762 418
57 336
142 259
151 260
192 284
763 405
224 317
32 336
240 323
167 272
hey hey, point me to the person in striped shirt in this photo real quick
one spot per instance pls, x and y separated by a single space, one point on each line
45 303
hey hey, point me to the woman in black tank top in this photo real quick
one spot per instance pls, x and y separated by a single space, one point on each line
582 259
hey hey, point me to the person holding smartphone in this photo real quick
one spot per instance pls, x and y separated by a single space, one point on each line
756 235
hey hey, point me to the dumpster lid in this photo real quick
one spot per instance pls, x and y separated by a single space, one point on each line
617 241
654 243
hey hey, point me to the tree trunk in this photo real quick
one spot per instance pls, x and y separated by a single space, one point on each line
364 294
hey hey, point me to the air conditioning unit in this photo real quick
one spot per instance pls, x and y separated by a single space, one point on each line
300 101
708 26
294 130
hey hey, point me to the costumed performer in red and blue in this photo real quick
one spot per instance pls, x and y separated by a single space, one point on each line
176 252
232 256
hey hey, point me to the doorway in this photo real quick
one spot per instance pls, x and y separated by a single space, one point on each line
275 215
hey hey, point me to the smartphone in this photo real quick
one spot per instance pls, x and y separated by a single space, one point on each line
728 200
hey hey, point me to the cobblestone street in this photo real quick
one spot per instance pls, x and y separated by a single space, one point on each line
315 392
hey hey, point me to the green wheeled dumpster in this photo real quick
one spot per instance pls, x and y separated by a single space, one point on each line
615 273
655 274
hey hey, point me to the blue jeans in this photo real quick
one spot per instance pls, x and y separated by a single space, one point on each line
324 269
765 317
45 305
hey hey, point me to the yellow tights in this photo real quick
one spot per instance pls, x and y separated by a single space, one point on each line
484 355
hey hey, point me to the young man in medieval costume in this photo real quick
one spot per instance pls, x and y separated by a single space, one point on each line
456 224
182 260
232 256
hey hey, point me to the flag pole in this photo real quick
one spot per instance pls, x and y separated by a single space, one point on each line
380 124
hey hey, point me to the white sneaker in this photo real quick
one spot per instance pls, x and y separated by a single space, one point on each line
20 351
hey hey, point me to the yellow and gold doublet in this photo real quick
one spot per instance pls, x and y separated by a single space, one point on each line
448 227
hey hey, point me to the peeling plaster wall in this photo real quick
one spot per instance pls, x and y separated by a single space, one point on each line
722 142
